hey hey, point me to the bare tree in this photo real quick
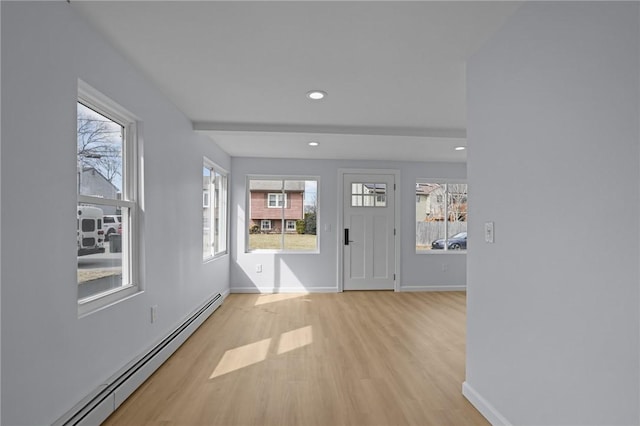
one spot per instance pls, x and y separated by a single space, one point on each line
100 145
457 202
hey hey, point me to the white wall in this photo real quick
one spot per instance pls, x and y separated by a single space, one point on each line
553 121
51 359
0 219
318 272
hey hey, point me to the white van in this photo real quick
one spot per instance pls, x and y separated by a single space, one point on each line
89 230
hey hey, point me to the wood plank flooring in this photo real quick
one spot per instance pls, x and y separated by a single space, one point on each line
353 358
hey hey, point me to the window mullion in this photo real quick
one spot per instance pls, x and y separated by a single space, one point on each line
88 199
282 224
446 217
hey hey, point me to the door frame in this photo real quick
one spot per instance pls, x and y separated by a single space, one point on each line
340 220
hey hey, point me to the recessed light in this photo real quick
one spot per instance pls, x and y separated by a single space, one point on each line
316 95
460 148
313 143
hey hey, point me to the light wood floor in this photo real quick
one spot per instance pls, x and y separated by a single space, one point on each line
353 358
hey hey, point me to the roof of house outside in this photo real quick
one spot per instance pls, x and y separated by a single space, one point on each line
426 188
92 171
276 185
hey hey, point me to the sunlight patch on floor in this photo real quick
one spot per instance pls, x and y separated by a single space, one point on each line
278 297
243 356
295 339
253 353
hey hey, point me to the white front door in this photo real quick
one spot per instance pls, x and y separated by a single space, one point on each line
369 237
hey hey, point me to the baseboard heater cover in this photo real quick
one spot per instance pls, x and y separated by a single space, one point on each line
96 407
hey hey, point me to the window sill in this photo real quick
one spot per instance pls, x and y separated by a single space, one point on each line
99 302
215 257
441 252
266 251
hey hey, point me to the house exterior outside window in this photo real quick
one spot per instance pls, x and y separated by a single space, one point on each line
282 214
441 225
267 200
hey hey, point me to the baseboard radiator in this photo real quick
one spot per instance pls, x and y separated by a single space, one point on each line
101 403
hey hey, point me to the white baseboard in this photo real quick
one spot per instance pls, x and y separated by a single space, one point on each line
483 406
103 401
225 293
433 288
272 290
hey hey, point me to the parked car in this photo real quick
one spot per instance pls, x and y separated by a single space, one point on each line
111 224
457 242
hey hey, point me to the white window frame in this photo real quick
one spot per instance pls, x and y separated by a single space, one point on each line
266 222
279 199
128 202
217 200
290 221
441 197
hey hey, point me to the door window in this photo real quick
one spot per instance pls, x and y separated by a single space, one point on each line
368 194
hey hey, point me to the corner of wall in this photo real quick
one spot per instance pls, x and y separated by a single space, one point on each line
483 406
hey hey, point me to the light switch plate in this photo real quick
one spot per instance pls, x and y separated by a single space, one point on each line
488 232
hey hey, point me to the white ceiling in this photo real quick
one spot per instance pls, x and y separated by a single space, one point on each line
394 71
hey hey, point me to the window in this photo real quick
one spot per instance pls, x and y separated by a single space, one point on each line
441 216
368 195
107 183
214 210
282 214
277 200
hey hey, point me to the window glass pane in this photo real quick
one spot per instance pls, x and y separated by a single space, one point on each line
207 231
380 189
430 210
99 155
219 234
302 213
263 210
276 200
88 225
214 211
457 216
99 261
368 195
441 216
283 220
369 200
